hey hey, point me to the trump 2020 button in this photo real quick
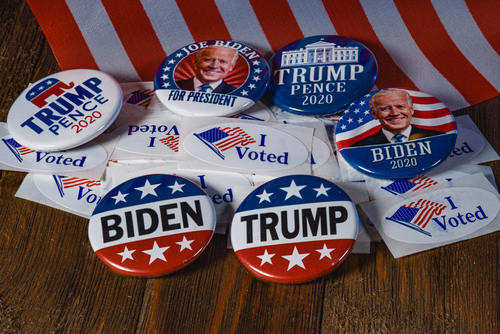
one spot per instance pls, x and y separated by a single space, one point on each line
65 110
152 225
212 78
319 75
294 229
396 133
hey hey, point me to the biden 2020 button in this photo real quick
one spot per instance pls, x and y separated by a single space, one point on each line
152 225
396 134
64 110
212 78
294 229
320 75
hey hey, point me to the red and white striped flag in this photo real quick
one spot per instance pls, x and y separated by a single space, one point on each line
448 48
428 209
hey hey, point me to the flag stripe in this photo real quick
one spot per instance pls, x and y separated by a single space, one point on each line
136 34
195 14
312 18
350 21
63 34
486 13
102 42
277 21
429 33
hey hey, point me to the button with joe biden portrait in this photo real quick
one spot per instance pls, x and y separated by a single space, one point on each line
396 133
212 78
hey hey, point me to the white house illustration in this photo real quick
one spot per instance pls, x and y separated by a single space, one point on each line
320 53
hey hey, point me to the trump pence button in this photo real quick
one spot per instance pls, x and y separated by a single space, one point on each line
396 134
64 110
294 229
212 78
152 225
318 75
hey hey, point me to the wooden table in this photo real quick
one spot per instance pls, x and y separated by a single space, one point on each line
51 281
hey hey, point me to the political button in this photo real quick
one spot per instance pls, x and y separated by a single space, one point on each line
212 78
64 110
294 229
396 134
152 225
318 75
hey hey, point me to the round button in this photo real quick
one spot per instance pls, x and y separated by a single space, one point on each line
152 225
294 229
396 134
212 78
319 75
64 110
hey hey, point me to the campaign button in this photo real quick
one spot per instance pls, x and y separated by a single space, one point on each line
212 78
319 75
64 110
396 134
152 225
294 229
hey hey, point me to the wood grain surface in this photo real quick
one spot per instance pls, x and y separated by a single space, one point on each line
51 281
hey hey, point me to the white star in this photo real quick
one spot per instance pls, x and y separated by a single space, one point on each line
185 243
264 196
251 86
164 77
349 120
256 78
49 82
171 61
256 63
257 70
343 127
244 93
295 259
177 187
156 253
126 254
366 112
40 88
293 190
119 198
166 84
346 112
148 189
325 252
356 111
362 103
266 257
322 190
178 55
367 95
360 120
166 69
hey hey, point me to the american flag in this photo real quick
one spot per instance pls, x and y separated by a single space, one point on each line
222 139
17 149
171 142
415 184
447 48
417 215
64 182
357 121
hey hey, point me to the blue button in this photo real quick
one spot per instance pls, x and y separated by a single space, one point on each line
212 78
396 134
320 75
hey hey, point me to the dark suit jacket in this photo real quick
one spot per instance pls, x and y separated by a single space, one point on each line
379 137
222 88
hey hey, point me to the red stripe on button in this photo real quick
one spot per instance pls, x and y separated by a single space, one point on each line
61 33
203 20
428 32
137 36
349 20
278 22
486 13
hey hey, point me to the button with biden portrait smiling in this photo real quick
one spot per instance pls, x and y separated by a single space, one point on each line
396 133
212 78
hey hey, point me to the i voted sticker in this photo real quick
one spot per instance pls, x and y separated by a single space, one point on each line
75 193
294 229
396 134
85 157
319 75
468 145
441 215
246 146
152 225
212 78
64 110
158 137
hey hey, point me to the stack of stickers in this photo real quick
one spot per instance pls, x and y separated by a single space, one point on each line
301 157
